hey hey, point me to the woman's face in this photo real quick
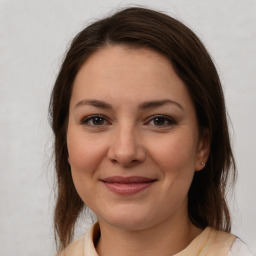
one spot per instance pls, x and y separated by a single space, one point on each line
133 138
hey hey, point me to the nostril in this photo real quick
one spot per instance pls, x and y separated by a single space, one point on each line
126 150
125 163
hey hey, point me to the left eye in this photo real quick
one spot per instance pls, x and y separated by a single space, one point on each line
94 121
161 121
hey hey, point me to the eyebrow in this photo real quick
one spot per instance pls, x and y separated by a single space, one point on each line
94 103
144 105
158 103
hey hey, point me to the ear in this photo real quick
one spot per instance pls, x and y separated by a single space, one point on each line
203 150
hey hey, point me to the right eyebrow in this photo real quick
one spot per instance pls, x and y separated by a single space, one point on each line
159 103
94 103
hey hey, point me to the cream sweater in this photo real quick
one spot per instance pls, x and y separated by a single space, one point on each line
209 243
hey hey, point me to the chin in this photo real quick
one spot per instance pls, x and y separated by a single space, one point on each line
129 220
129 224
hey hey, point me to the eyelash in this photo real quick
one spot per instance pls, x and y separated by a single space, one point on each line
167 121
85 121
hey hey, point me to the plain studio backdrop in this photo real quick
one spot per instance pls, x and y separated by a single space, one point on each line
34 34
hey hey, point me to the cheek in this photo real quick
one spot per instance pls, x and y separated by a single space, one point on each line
85 155
84 152
175 155
175 159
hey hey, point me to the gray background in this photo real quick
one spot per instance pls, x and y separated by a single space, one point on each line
34 35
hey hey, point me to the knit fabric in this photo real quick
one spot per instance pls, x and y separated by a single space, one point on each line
209 243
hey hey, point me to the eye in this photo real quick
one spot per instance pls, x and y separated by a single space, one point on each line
94 121
161 121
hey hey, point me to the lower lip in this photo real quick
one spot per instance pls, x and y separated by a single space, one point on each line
127 189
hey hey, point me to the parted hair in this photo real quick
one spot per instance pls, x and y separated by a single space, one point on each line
145 28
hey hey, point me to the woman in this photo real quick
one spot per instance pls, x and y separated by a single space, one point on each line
141 138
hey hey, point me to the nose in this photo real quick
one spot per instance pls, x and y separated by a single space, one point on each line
126 147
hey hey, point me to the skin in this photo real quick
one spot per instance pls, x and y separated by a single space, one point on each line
128 138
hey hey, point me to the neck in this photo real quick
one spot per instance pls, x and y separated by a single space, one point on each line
165 239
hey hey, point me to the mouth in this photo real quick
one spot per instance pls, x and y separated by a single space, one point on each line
127 185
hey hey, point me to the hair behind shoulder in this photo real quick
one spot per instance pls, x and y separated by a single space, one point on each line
141 27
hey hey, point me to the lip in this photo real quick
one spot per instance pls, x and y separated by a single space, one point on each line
127 185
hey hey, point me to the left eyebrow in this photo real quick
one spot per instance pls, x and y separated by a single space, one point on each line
94 103
159 103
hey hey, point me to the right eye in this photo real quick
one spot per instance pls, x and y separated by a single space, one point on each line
94 121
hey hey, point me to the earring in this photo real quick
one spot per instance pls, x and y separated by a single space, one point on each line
202 163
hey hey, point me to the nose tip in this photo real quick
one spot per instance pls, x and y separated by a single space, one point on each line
125 158
126 150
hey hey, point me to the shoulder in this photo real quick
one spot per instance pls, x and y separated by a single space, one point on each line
220 238
210 242
74 249
217 242
84 246
228 241
239 248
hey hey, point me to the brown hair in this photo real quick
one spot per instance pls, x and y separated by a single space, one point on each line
140 27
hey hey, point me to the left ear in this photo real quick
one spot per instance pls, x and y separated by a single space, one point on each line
203 150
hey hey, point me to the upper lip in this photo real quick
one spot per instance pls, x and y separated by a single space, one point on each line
127 180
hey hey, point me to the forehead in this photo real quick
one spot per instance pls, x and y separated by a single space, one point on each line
117 71
125 58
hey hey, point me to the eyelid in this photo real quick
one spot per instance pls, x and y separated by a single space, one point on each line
85 120
171 120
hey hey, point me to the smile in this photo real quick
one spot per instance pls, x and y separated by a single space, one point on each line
127 185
